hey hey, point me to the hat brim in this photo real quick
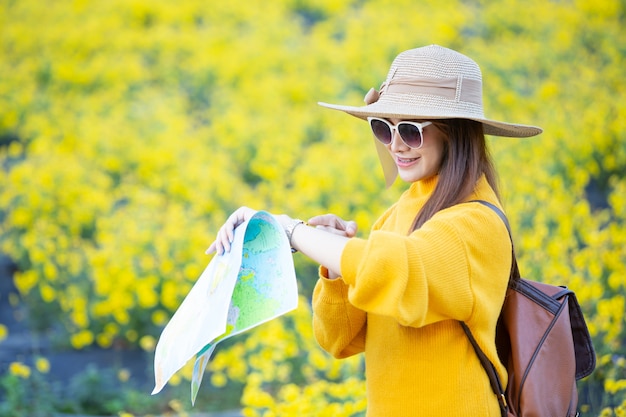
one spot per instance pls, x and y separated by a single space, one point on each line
491 127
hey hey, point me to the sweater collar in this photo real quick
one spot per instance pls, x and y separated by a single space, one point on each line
424 187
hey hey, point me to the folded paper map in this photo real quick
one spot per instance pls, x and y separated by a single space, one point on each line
253 283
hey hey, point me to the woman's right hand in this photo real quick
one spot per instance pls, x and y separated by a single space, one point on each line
226 234
334 224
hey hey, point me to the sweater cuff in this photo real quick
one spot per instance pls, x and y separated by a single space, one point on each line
331 291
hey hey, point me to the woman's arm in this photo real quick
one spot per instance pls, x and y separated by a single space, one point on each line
321 246
338 326
454 267
323 243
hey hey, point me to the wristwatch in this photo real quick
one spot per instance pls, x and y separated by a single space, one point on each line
289 231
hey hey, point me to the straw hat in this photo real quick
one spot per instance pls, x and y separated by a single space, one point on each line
429 83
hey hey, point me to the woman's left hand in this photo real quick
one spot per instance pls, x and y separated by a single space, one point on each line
226 234
336 225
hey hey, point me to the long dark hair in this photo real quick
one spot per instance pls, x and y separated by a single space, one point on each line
466 158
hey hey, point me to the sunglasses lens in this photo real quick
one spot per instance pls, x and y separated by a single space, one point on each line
381 130
410 134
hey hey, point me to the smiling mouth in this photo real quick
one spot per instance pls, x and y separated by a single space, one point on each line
405 161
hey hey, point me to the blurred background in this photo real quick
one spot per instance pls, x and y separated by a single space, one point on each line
130 129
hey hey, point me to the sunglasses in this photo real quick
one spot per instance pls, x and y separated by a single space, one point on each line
411 133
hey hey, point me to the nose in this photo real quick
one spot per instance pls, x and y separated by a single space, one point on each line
397 144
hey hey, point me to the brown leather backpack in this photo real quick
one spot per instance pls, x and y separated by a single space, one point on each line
543 341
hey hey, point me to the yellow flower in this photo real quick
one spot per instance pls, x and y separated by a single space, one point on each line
176 379
19 369
131 335
42 365
177 406
218 379
81 339
147 343
123 375
47 293
26 280
104 340
160 318
4 332
250 412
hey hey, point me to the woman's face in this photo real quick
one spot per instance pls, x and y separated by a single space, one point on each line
418 164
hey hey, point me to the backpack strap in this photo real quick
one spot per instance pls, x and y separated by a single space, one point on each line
515 274
494 379
498 212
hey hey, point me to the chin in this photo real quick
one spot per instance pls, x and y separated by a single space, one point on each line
409 178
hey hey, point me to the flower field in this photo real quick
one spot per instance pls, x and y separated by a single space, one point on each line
130 129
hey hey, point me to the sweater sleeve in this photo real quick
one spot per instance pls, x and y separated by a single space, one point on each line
460 257
339 327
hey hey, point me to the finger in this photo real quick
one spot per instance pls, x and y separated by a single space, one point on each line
351 228
320 220
219 246
219 242
211 249
226 234
230 235
225 239
242 214
327 220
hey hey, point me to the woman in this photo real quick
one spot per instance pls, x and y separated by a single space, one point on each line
433 259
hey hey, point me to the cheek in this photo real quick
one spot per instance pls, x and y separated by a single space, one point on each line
432 167
435 157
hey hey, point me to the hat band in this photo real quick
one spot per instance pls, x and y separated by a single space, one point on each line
452 88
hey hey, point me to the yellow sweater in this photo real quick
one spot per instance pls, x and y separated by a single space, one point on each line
401 298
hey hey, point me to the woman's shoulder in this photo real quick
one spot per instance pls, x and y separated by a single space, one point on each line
473 221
